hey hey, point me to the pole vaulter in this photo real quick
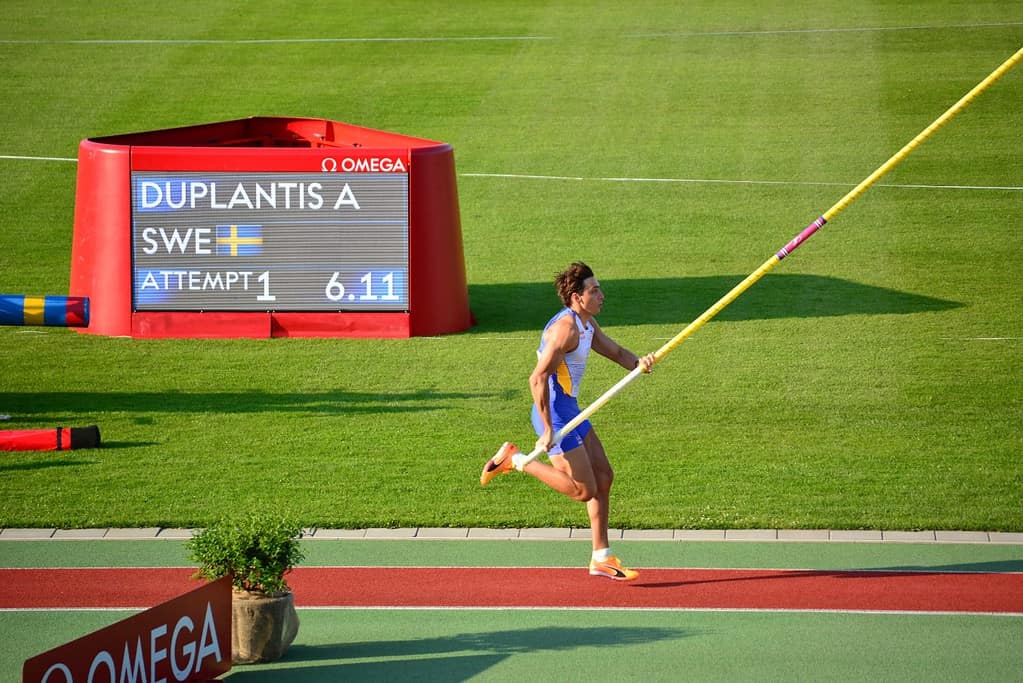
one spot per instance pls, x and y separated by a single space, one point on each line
784 251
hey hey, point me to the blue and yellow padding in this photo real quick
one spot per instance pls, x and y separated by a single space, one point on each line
52 311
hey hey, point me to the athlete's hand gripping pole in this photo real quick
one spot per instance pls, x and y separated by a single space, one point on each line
806 233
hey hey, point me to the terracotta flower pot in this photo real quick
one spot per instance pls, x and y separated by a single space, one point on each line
262 627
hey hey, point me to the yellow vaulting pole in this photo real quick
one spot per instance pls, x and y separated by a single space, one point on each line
791 246
924 134
841 204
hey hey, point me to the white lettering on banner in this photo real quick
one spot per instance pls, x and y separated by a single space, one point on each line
197 280
64 671
346 197
158 655
133 671
179 194
373 165
103 657
160 645
364 165
174 241
209 645
133 666
188 649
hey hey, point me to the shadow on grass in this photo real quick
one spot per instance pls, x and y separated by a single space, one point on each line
25 405
79 458
404 659
44 464
115 445
514 307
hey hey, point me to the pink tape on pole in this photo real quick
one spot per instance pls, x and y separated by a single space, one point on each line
800 238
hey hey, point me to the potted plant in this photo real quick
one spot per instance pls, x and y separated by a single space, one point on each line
256 551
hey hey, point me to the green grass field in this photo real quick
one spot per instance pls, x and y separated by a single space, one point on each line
872 380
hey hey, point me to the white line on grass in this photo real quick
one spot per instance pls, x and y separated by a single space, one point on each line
445 39
268 41
516 176
21 158
706 181
852 29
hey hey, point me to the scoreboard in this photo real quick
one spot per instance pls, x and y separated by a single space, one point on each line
269 227
270 241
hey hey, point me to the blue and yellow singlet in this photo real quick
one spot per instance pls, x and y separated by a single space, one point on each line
564 386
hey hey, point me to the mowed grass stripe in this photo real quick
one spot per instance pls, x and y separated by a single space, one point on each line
822 398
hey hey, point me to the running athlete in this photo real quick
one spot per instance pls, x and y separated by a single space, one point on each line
579 466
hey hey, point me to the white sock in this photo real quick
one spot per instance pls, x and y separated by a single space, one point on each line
518 461
601 555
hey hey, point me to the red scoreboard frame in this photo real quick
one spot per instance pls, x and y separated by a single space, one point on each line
409 281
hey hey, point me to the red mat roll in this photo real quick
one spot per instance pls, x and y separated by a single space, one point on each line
59 439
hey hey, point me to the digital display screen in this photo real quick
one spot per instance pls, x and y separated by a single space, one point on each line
212 241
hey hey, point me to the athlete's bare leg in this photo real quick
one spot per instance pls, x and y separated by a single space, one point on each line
583 474
599 506
576 482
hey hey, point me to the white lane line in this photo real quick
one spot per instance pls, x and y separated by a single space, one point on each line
548 608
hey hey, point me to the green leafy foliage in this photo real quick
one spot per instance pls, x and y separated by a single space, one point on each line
256 550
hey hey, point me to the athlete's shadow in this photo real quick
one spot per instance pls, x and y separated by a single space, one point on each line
1000 566
728 579
520 306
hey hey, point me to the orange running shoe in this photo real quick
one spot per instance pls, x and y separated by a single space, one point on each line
612 568
501 463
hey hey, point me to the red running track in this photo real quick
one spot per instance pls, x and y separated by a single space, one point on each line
543 587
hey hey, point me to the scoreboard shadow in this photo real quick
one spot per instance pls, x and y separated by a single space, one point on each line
40 406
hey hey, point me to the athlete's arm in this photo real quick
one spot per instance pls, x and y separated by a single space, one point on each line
614 351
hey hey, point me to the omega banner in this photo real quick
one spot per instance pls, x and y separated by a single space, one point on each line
184 639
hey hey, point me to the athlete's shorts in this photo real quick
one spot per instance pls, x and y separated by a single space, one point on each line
559 418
